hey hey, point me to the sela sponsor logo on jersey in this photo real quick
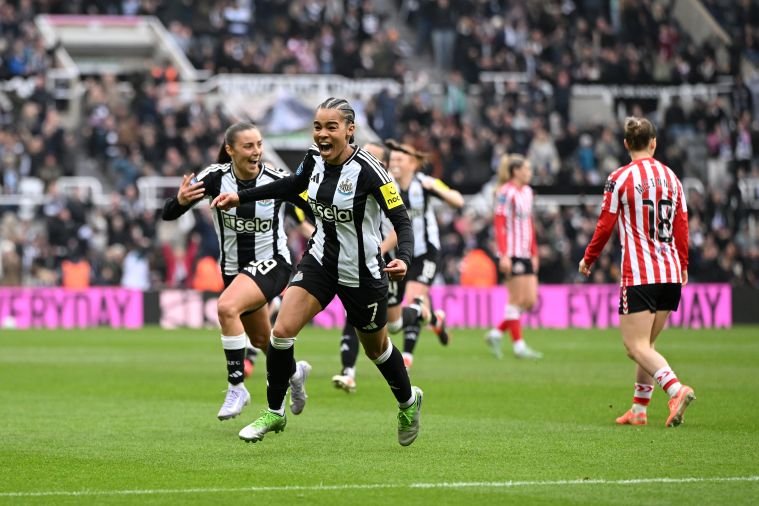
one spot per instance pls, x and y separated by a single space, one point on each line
345 187
391 195
265 203
244 225
330 213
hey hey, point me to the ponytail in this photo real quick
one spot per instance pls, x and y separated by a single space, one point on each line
223 156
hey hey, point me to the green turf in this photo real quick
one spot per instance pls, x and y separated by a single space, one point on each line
129 417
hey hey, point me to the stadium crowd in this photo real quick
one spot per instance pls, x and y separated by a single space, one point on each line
711 142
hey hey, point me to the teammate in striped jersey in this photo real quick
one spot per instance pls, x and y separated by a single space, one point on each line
517 251
398 317
417 191
298 219
255 261
348 191
647 200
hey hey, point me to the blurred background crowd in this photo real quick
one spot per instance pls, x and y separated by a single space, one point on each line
465 123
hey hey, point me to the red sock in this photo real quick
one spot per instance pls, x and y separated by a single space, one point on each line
514 327
516 330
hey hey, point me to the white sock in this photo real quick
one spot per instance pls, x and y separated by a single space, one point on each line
281 343
395 326
638 408
234 342
511 312
641 397
385 354
519 346
666 379
409 402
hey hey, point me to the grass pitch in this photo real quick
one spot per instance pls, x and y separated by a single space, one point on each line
119 417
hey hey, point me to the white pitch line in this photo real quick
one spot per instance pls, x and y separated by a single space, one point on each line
322 488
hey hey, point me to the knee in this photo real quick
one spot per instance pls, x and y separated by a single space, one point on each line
372 354
634 351
227 309
374 348
259 340
283 329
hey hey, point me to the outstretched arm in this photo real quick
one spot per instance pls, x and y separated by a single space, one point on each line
441 190
286 188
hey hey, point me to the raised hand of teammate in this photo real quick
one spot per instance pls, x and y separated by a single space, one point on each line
190 190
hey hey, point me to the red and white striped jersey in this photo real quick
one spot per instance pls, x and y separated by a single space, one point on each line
512 220
647 199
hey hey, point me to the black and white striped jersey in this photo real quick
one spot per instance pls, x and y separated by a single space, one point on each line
347 202
250 232
423 220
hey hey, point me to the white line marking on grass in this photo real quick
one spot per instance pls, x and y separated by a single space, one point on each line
357 486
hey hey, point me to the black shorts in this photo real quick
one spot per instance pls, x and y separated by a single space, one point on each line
270 275
423 268
395 289
395 292
365 305
652 298
521 266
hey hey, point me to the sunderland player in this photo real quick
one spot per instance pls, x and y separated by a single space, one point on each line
647 200
255 261
348 191
417 190
517 251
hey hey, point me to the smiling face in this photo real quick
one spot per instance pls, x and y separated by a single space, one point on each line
246 151
331 135
402 166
